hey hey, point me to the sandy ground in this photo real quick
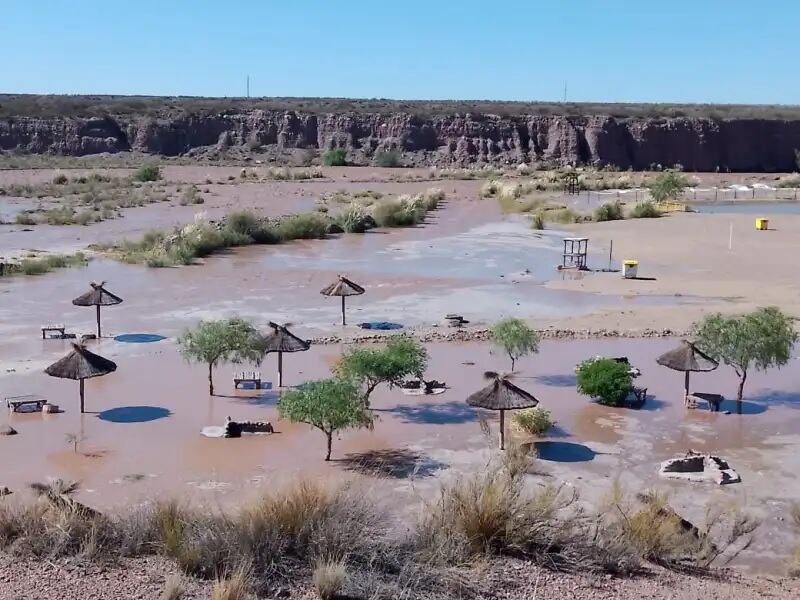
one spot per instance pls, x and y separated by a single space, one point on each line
141 437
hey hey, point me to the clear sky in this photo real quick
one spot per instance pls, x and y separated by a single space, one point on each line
737 51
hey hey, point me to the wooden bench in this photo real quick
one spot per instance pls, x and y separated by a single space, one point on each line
16 402
247 377
713 401
59 329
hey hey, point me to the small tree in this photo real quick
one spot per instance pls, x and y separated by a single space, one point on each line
605 379
669 185
402 356
760 340
329 405
515 338
228 340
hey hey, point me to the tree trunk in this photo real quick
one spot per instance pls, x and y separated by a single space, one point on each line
370 388
329 434
343 317
740 391
513 362
210 378
280 369
98 322
81 396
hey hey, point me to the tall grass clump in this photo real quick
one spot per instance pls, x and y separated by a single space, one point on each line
645 210
329 578
336 157
490 188
235 586
537 221
44 263
563 216
610 211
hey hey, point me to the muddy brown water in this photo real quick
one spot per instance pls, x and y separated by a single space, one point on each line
141 437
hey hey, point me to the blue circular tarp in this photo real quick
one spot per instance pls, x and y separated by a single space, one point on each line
139 338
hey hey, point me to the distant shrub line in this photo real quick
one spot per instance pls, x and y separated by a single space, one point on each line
183 245
34 264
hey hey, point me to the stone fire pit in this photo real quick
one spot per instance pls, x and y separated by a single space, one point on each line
700 468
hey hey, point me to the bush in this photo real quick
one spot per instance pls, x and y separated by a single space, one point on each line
148 172
60 179
388 158
610 211
645 210
355 220
336 157
564 216
329 578
308 226
534 421
490 189
604 379
25 218
668 185
537 221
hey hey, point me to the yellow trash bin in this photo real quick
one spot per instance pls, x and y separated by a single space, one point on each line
629 268
762 224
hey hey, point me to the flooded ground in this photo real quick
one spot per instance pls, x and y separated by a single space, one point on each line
749 208
141 437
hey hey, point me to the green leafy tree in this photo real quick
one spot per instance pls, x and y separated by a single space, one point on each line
329 405
605 379
402 357
668 185
515 338
760 340
227 340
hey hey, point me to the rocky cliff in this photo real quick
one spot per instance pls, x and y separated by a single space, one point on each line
699 144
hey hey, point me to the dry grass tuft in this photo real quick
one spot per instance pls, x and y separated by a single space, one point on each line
329 578
233 587
173 589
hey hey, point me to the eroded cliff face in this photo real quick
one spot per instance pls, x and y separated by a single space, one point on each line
637 143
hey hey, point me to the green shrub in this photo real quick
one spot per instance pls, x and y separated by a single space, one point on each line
535 421
354 220
564 216
610 211
668 186
60 179
336 157
388 158
604 379
149 172
396 213
645 210
537 221
306 226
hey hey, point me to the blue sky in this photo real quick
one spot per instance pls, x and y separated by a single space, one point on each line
607 50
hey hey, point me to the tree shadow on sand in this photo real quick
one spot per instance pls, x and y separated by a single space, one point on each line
264 398
558 379
134 414
446 413
395 463
566 452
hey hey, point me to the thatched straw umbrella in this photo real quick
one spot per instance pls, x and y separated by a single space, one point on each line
282 340
81 364
98 296
501 395
687 358
342 287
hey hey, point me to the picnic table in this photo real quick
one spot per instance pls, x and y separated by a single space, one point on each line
16 402
253 378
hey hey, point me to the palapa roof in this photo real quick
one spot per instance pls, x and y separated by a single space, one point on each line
81 364
281 339
97 296
342 287
501 394
687 357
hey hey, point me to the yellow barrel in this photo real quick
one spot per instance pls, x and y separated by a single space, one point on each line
630 268
762 224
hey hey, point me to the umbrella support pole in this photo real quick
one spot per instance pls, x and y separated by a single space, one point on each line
280 369
502 430
686 389
343 318
98 321
81 384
